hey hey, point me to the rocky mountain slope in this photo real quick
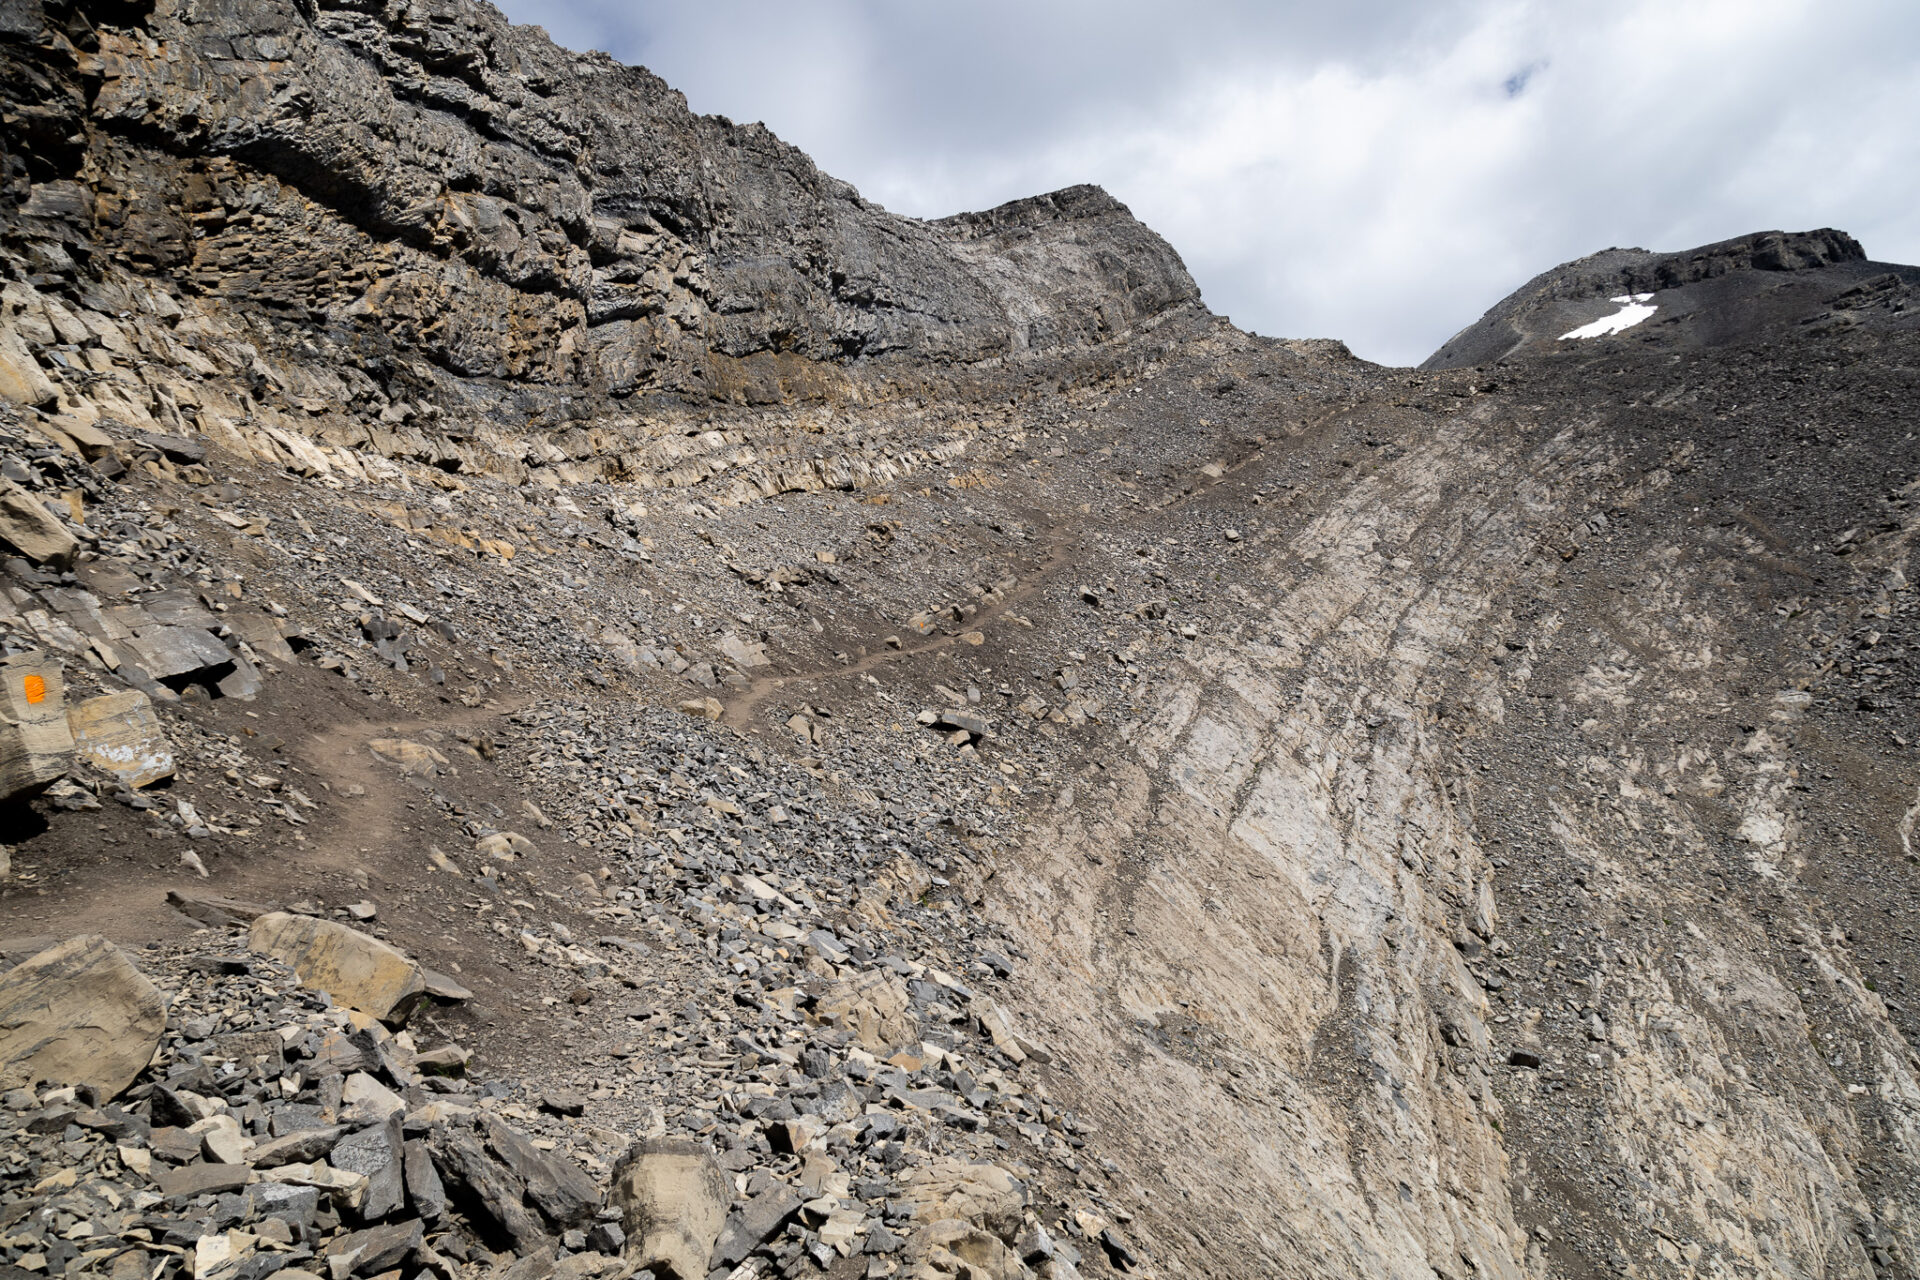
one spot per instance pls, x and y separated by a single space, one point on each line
582 701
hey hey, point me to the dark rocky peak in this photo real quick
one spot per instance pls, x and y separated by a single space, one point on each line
1766 283
433 178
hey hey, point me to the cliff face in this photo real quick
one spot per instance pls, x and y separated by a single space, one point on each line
508 209
1029 781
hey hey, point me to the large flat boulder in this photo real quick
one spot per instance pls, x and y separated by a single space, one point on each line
358 971
78 1013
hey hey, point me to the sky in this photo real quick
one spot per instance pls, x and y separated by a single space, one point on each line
1379 171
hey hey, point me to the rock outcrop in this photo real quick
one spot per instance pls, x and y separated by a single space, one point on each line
448 185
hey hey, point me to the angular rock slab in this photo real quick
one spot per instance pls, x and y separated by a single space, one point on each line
78 1013
360 972
673 1200
29 528
118 733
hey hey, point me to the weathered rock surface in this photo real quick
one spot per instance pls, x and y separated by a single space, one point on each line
119 734
673 1203
78 1014
359 971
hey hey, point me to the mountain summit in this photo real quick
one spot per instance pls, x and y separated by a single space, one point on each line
1752 288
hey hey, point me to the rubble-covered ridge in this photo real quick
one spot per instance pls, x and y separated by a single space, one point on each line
576 698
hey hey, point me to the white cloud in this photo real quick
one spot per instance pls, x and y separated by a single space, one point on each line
1378 172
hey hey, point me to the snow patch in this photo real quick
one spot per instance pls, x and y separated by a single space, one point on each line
1633 309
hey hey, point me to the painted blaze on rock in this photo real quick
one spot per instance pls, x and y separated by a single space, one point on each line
360 972
36 747
78 1013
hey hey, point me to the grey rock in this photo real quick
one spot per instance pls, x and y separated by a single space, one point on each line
560 1189
302 1146
375 1152
487 1186
755 1222
425 1191
376 1249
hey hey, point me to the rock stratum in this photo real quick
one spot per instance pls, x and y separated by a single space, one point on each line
579 700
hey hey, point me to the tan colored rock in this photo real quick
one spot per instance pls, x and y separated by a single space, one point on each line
745 654
984 1194
873 1006
365 1101
706 708
21 378
673 1200
36 747
78 1013
412 757
950 1249
222 1140
506 845
29 528
998 1024
360 972
119 734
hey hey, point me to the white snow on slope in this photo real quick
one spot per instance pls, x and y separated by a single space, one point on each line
1633 309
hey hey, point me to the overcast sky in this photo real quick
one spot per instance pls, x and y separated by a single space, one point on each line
1379 171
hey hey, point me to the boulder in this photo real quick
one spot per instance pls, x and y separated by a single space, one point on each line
376 1153
119 734
754 1223
559 1188
951 1247
673 1200
980 1193
188 655
21 378
873 1006
745 654
78 1013
29 528
488 1191
358 971
373 1251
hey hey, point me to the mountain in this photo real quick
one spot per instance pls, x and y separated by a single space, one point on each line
1752 288
580 700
